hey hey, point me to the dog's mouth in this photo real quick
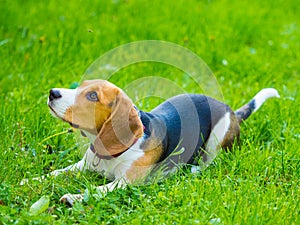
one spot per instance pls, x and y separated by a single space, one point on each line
54 113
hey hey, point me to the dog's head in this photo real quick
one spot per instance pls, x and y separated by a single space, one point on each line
101 109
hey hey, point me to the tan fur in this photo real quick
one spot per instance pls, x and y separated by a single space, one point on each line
232 133
114 128
121 129
140 168
97 112
112 119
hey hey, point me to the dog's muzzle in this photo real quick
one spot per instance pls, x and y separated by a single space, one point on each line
53 95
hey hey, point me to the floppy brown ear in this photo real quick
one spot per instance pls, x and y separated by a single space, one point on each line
121 129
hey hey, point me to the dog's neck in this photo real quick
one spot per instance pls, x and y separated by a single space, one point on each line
90 136
93 137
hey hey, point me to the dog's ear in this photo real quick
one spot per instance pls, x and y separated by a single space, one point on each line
121 129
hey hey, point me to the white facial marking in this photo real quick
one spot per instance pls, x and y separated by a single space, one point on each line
60 105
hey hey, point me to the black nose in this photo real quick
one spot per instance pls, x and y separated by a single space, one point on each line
54 94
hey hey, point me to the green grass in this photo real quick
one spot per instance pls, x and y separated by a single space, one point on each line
45 44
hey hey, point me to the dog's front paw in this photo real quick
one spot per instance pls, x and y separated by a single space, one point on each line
70 199
26 181
23 182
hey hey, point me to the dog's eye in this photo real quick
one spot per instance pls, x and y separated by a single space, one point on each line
92 96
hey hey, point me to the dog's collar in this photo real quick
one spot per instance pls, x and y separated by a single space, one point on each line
107 157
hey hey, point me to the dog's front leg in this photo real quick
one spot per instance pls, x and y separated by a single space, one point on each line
86 163
82 165
70 199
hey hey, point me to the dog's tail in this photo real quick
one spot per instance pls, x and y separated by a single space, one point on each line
245 111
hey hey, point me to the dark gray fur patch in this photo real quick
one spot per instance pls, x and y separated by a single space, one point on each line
244 112
184 121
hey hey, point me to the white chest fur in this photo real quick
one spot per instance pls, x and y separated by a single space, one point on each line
116 167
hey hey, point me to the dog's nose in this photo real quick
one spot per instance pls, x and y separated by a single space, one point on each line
54 94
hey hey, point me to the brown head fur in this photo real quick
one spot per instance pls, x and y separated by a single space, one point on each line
113 118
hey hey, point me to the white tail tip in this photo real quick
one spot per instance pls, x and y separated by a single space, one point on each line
263 95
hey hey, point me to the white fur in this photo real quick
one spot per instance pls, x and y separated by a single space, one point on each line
263 95
114 169
101 191
60 105
215 138
117 168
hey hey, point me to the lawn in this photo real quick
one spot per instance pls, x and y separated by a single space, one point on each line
248 45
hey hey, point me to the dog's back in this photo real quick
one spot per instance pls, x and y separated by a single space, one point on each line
197 124
184 122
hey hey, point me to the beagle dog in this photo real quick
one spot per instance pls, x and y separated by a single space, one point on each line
127 143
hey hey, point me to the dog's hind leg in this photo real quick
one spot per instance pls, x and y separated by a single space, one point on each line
70 199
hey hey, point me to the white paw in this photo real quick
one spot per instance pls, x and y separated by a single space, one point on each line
26 181
195 169
70 199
